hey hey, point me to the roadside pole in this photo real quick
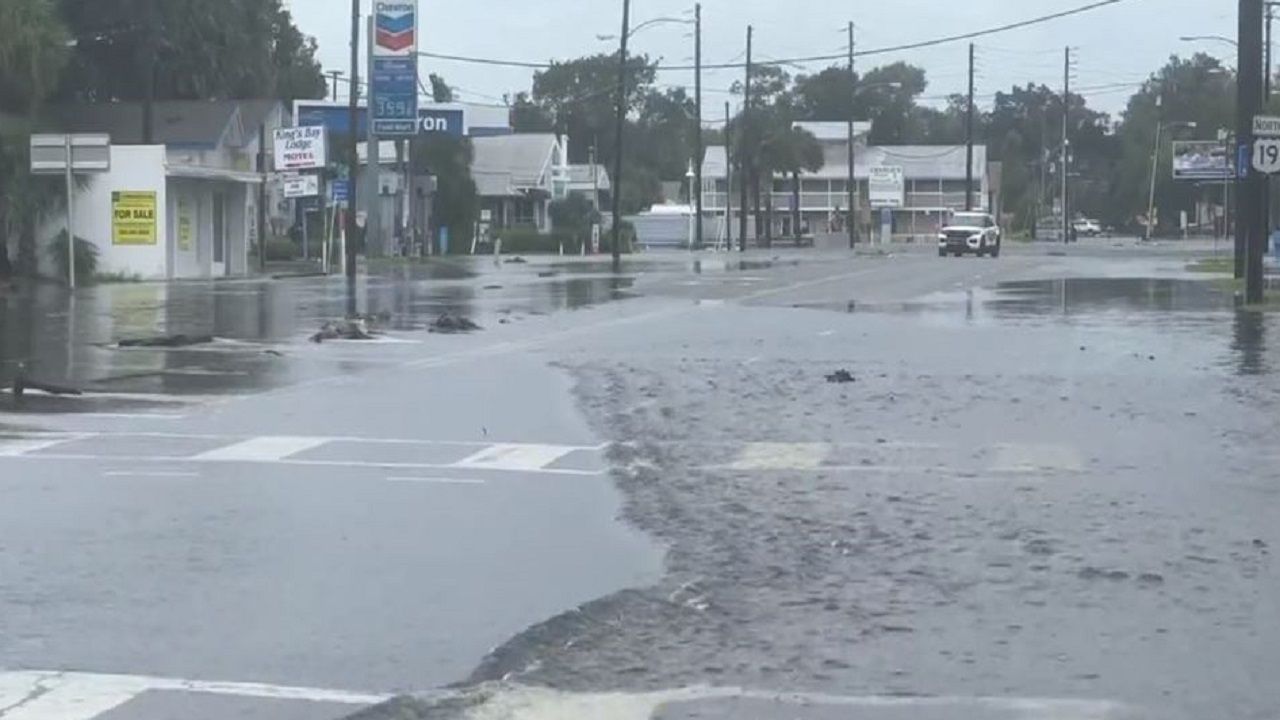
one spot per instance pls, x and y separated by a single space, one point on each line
353 163
264 173
1250 222
968 134
71 212
728 178
699 153
1066 149
621 127
851 186
745 155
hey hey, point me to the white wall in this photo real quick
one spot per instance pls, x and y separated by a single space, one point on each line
134 168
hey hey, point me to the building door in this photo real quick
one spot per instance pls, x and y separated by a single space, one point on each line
219 234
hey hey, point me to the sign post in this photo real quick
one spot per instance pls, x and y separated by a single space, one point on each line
68 155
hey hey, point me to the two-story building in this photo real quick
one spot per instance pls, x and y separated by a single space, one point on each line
933 185
518 177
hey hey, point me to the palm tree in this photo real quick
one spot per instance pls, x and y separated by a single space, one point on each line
33 51
789 151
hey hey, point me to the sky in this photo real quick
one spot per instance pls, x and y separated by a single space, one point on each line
1116 47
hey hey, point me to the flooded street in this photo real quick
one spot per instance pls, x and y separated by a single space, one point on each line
1036 490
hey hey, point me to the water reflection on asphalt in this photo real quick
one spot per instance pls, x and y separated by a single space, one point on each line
72 340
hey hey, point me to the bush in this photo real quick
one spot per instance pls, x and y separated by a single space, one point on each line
86 258
282 250
531 242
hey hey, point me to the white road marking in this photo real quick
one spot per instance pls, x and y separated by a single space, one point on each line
515 457
144 474
18 446
1036 458
83 696
262 449
807 284
781 456
436 481
353 464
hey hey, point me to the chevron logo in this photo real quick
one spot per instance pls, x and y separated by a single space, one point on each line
396 26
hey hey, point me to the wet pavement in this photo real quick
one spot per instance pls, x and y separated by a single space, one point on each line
1047 493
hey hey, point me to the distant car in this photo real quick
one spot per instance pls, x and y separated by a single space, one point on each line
970 233
1088 228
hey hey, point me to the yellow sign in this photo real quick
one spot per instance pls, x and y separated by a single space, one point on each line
133 218
186 225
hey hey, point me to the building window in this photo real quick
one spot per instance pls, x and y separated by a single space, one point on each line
525 213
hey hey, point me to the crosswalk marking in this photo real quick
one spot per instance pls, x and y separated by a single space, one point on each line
84 696
262 449
515 457
897 458
16 446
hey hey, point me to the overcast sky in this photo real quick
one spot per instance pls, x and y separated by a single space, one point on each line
1117 46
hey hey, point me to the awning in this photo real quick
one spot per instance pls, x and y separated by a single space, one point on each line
198 172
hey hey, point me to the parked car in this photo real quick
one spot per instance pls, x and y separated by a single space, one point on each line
1087 228
970 232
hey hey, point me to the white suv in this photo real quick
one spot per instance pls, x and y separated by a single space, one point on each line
970 232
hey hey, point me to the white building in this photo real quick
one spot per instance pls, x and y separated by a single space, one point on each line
200 181
934 178
518 177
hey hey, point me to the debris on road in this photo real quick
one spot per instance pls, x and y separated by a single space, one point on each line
22 383
167 341
449 324
356 329
517 260
841 377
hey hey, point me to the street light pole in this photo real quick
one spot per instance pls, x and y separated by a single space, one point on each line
617 144
697 132
851 216
968 132
744 157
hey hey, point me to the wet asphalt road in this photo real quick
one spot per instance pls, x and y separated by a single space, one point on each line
1051 479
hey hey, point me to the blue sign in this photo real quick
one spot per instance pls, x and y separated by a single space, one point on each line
1244 161
341 190
443 120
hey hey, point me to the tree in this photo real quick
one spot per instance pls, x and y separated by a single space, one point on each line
456 204
32 53
575 215
580 97
440 90
196 49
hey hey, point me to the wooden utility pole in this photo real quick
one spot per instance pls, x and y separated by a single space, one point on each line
1066 148
698 151
728 177
1251 227
617 143
744 157
353 161
850 178
968 134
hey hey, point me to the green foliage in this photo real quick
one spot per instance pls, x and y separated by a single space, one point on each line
33 50
574 215
440 90
86 257
281 250
456 201
224 49
528 241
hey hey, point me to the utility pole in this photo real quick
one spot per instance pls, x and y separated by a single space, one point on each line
150 43
745 156
617 145
1066 148
698 151
262 199
1250 199
851 186
335 74
353 160
728 177
968 133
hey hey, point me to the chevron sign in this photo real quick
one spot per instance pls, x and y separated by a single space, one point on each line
395 28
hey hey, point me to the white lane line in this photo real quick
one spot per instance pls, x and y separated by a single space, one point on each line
781 456
807 284
83 696
144 474
1036 458
262 449
19 446
435 481
527 458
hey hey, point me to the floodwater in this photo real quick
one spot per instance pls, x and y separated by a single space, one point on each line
72 340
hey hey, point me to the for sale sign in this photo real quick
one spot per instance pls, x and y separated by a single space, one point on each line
303 148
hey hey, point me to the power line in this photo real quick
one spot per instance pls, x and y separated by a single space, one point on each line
809 59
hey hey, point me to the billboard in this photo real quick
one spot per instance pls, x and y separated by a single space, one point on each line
887 187
1202 161
443 119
